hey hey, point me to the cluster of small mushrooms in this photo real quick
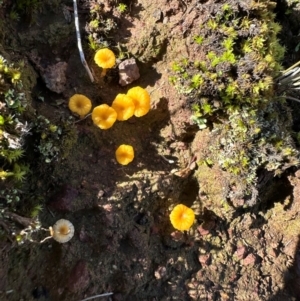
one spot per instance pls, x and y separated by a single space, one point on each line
136 102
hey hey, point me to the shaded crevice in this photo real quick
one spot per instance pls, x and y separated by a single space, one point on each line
189 192
274 190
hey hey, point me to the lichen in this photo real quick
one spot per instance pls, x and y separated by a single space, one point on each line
214 185
151 44
231 91
14 127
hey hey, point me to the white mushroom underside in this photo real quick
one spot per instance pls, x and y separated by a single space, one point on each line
63 231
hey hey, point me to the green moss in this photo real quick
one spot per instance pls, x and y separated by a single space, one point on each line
100 28
57 33
213 189
285 222
14 127
69 139
152 44
25 8
54 139
233 85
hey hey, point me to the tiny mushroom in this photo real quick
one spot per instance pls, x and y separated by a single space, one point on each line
62 231
105 59
141 100
124 107
80 105
104 116
124 154
182 217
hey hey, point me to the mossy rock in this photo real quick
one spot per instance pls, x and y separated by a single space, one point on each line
151 44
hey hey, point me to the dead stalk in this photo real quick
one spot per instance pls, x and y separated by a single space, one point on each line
79 45
97 296
83 118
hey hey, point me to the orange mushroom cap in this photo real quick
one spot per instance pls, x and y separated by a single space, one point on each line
124 107
80 104
104 116
141 100
105 58
182 217
124 154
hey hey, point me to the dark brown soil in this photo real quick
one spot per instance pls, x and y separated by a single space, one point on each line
124 242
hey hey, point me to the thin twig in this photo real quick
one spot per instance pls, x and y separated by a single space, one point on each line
292 98
290 68
79 45
97 296
289 76
83 118
169 161
24 221
51 212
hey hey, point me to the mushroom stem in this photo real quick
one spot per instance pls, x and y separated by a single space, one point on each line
103 73
46 238
79 45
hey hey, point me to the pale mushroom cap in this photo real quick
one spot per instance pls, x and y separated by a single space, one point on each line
80 104
105 58
141 100
124 107
104 116
62 231
124 154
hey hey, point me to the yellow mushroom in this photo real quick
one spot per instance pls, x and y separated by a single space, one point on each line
62 231
124 154
182 217
124 107
105 59
80 105
141 100
104 116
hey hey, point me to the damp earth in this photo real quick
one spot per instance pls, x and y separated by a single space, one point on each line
124 242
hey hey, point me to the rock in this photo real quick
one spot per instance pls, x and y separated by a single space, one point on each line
202 231
55 77
249 260
157 15
206 227
241 252
204 259
128 72
160 272
177 235
79 277
272 252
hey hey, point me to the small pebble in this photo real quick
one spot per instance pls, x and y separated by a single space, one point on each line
158 15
